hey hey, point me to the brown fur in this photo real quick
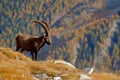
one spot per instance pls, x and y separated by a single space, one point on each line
32 43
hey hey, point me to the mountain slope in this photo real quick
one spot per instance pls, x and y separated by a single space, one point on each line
15 66
79 46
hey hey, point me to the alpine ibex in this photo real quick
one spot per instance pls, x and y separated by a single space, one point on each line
33 43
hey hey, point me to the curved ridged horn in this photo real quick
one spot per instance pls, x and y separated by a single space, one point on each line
45 26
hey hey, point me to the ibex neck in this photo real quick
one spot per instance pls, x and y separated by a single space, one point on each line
41 41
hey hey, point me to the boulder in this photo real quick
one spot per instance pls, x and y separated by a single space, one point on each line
85 77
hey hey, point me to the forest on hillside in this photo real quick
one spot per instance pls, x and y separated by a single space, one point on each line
79 33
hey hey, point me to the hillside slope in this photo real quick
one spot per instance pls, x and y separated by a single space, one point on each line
15 66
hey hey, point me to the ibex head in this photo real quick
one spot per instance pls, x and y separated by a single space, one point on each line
46 36
47 40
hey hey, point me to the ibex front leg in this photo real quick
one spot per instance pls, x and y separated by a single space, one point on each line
21 50
33 56
36 55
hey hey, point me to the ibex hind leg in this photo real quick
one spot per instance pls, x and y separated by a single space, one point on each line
17 48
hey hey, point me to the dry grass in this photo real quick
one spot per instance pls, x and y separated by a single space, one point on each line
12 66
15 66
104 76
71 77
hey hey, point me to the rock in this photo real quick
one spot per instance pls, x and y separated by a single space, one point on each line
87 70
57 78
34 78
64 62
42 77
85 77
91 70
